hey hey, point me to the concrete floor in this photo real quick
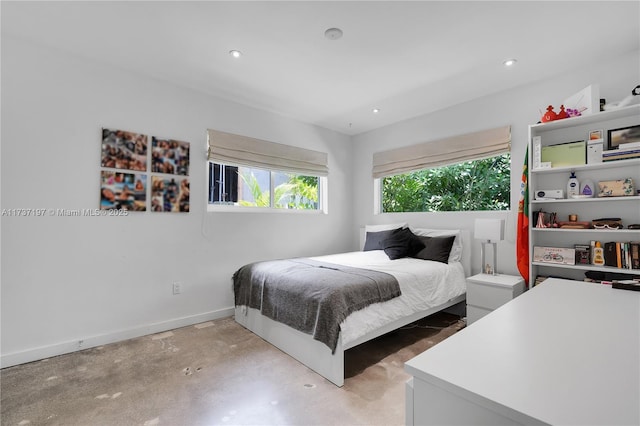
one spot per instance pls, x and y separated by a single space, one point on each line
215 373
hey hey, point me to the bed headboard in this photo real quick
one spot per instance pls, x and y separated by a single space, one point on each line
465 236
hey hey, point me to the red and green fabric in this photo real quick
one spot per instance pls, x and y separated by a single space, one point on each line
522 232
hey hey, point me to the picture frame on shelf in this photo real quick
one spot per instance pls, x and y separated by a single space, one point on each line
622 135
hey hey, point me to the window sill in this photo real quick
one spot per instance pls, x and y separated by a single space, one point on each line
241 209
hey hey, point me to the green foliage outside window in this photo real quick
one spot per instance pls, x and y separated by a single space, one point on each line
470 186
298 192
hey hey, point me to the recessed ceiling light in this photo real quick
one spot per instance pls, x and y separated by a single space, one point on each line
235 53
509 62
333 33
375 110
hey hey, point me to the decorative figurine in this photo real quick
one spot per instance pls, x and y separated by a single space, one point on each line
574 112
562 114
550 115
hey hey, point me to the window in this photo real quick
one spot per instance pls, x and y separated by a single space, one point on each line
254 187
247 172
472 185
460 173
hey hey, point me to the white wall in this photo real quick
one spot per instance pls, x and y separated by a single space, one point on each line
518 108
100 279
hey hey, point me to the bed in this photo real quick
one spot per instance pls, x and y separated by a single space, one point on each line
426 287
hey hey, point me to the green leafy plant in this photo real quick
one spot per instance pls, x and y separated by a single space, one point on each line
299 192
260 198
473 185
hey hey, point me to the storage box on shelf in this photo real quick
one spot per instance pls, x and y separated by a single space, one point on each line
581 210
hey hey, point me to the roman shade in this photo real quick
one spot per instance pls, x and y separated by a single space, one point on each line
238 150
456 149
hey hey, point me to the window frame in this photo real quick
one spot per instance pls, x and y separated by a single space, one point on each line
435 154
378 188
244 151
235 208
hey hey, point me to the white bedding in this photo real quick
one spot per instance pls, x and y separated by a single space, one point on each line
424 284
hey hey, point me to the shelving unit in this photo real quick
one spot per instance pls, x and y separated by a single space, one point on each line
587 209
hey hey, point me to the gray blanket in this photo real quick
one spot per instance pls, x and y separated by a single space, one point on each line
310 296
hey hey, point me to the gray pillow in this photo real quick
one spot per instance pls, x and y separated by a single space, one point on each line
436 248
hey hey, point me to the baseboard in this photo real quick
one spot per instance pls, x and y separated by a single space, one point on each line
35 354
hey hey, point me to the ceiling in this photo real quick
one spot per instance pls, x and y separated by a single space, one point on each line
404 58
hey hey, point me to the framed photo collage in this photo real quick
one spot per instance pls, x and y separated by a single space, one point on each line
136 178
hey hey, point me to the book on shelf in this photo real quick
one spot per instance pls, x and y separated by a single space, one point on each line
622 254
618 151
627 255
610 256
620 154
634 254
634 248
621 157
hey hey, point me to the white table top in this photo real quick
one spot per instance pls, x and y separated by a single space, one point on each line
565 352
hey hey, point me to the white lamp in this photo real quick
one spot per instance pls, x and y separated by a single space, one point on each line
489 231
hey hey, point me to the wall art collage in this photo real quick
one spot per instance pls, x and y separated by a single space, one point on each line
128 173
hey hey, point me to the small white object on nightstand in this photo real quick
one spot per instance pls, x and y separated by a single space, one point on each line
487 292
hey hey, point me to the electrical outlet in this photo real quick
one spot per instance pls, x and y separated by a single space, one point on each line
177 288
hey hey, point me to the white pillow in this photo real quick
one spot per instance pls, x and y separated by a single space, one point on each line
456 250
385 227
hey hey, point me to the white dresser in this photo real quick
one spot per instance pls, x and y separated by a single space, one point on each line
564 352
487 292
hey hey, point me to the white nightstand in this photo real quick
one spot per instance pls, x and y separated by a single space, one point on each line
487 292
